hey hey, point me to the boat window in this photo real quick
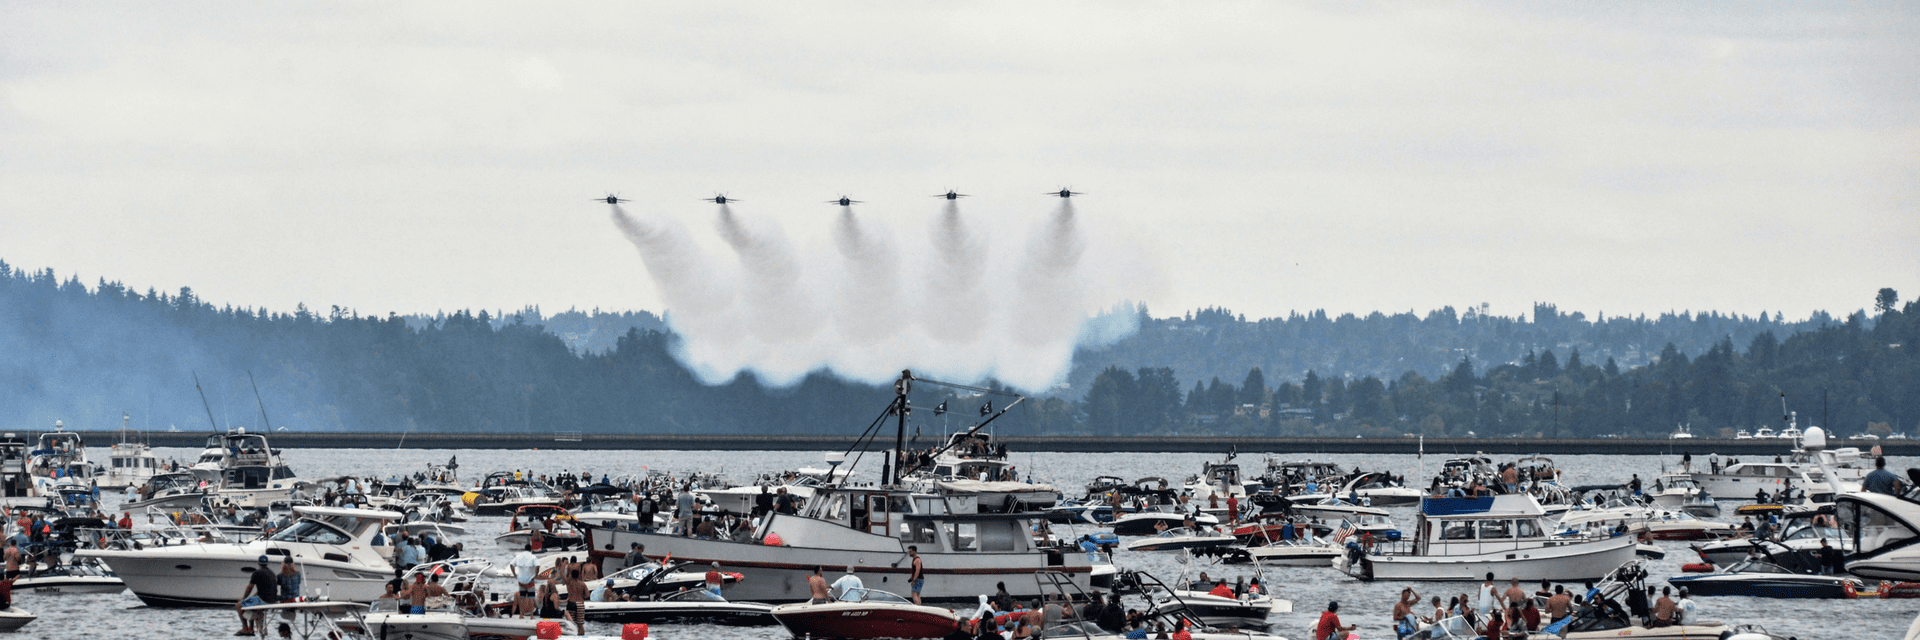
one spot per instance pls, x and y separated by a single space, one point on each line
1496 529
311 532
999 536
1870 526
837 509
1526 529
1457 531
920 533
964 536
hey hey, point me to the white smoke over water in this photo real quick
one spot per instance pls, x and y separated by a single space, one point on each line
947 309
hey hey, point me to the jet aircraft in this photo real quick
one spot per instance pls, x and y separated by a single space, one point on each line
611 199
844 201
950 195
721 198
1067 194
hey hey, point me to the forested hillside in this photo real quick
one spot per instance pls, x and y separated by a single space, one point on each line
89 355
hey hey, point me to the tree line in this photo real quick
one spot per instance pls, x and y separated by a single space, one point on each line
89 355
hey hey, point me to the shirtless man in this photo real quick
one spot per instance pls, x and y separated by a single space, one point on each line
1515 596
817 587
416 594
13 559
576 594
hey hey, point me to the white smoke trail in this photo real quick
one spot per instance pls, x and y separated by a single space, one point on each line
955 310
869 309
865 326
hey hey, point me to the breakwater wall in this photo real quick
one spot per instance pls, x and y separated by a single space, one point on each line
1087 444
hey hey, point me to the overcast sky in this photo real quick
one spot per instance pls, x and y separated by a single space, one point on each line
1266 157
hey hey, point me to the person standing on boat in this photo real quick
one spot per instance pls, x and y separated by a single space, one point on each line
919 576
683 511
817 587
1488 594
525 569
290 579
714 580
262 588
847 584
576 597
636 554
1881 480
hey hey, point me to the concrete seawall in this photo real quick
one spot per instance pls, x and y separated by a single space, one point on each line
1090 444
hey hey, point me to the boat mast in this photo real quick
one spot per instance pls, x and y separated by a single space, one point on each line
890 470
258 401
203 402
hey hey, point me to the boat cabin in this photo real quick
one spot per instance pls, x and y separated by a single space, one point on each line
1475 526
837 517
256 477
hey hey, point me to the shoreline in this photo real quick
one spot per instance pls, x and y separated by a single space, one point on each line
1060 444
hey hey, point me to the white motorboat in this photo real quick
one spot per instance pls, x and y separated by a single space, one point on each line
1797 538
80 576
1509 536
691 606
170 491
1182 538
441 622
130 463
1884 531
507 499
1333 510
60 457
1378 489
1657 523
332 547
1296 553
14 617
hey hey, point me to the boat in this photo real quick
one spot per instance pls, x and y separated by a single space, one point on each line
1182 538
1293 553
552 523
1378 489
170 491
1242 610
1884 531
13 618
507 499
1147 523
866 614
970 466
1742 434
80 576
437 622
1759 578
689 606
333 548
1799 536
1763 433
963 553
130 463
1368 520
1681 432
248 472
1659 524
1508 536
60 457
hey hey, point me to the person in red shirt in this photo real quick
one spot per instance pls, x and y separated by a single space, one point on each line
1222 590
1330 627
1496 628
126 521
1233 509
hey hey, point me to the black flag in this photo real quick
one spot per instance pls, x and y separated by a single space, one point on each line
986 408
940 410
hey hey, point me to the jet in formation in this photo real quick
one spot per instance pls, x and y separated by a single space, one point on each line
844 201
721 198
1066 194
950 195
612 199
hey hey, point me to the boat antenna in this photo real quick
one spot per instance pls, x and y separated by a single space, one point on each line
890 470
203 401
262 403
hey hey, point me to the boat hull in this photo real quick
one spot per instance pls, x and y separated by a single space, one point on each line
1563 563
198 576
775 574
12 618
426 626
742 614
70 584
1763 586
863 621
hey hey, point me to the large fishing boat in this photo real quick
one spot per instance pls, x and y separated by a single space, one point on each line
1465 539
870 529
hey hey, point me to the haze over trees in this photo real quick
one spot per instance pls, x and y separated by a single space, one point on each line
88 355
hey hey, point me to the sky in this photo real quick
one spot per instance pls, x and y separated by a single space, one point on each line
1617 158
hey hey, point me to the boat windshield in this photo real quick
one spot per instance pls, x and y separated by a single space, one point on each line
1454 627
694 595
1756 566
872 595
311 532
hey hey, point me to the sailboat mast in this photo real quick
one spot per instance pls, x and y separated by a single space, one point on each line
203 403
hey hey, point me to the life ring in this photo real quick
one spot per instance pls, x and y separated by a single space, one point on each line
1697 567
1847 586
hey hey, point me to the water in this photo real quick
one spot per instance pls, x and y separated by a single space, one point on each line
122 615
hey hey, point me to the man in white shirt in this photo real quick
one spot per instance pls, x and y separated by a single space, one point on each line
525 567
845 584
1683 610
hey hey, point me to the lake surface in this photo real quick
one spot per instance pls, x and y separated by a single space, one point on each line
1368 604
